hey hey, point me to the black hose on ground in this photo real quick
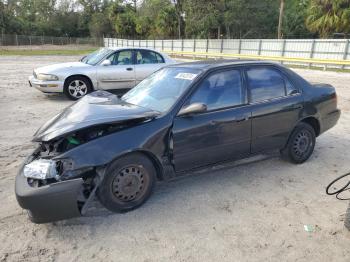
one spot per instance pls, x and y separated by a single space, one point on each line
338 192
343 189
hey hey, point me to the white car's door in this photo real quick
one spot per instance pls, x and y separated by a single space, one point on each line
147 62
120 74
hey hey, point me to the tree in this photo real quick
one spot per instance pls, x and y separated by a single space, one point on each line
326 17
280 20
123 17
100 25
294 19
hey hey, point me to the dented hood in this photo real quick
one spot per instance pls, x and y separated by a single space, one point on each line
97 108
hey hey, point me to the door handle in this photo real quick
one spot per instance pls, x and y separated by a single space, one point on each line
129 69
297 107
239 119
243 118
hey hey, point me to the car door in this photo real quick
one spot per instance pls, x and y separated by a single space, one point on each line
146 63
120 73
222 132
276 107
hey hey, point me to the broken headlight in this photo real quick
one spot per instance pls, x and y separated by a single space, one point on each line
41 169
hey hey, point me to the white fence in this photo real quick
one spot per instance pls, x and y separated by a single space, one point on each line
321 49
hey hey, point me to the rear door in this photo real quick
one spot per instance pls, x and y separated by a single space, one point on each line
222 132
276 105
147 62
120 74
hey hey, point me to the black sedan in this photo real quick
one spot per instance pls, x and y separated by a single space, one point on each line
182 117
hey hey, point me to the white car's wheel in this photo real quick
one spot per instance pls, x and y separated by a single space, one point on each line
76 87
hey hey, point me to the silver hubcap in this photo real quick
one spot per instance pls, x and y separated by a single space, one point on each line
77 88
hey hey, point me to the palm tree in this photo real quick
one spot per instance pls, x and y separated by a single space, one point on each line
326 17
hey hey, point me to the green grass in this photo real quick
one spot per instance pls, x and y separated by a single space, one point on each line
46 52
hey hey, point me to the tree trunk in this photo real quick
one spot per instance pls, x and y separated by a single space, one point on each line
280 20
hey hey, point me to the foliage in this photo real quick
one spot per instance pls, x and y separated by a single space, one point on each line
152 19
326 17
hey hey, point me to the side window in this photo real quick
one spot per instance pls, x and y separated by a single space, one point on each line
291 90
148 57
220 90
265 83
160 59
121 58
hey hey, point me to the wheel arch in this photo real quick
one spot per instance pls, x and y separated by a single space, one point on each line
79 75
155 161
313 122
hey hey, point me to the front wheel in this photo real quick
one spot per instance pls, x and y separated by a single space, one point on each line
301 144
76 87
128 183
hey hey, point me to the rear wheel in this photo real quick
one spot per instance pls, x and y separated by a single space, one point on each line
300 144
76 87
128 183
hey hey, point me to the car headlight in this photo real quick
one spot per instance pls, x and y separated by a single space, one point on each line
40 169
46 77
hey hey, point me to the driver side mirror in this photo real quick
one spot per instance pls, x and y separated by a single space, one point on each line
192 109
106 62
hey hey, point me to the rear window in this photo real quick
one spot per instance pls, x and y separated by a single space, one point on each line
267 83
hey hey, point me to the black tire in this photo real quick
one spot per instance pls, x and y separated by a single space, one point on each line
82 88
128 183
300 145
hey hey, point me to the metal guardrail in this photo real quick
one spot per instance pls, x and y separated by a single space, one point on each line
260 57
327 53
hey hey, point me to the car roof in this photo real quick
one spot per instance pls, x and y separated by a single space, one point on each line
214 63
131 47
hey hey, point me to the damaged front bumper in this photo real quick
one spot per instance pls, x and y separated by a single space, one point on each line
50 202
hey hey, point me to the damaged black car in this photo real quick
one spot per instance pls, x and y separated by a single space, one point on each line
182 117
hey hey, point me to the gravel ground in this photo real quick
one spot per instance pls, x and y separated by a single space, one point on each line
251 212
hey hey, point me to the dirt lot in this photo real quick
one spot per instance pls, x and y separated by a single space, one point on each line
252 212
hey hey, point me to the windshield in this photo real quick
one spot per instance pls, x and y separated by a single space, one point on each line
95 57
162 89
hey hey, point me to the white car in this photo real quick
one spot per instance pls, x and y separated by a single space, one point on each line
106 69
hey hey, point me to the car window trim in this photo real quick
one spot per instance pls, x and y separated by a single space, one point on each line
284 76
140 49
121 50
197 85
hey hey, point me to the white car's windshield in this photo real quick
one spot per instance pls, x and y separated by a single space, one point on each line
162 89
95 57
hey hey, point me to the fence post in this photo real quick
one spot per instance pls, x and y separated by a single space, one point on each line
207 48
30 40
194 48
154 43
172 44
259 50
239 46
222 45
283 49
162 45
16 40
345 55
312 50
